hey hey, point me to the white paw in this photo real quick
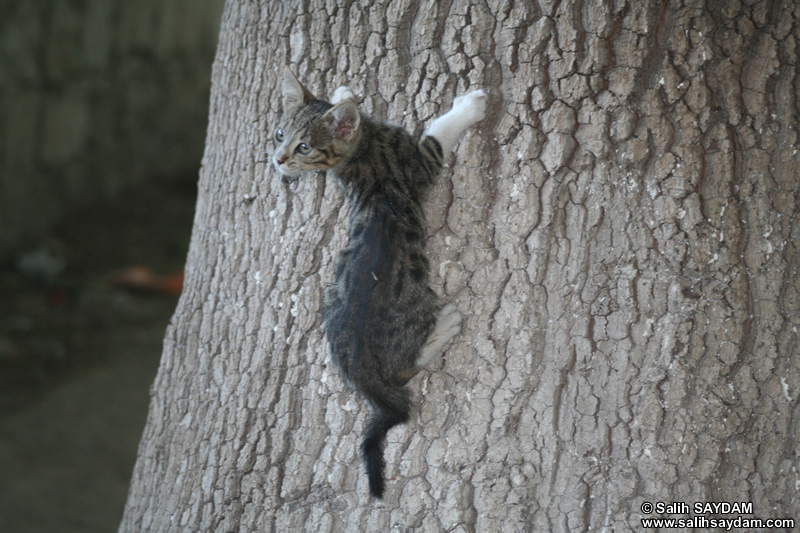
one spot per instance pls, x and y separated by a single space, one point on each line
342 93
471 106
448 324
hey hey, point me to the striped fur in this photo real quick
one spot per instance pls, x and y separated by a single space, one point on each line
382 319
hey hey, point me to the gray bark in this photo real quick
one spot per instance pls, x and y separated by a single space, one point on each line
621 235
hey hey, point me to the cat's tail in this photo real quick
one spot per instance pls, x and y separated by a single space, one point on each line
391 406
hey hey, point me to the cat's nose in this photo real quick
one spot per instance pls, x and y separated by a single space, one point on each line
281 159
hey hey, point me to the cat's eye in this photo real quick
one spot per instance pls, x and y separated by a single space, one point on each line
279 135
303 149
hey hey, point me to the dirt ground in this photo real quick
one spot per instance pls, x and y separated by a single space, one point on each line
78 353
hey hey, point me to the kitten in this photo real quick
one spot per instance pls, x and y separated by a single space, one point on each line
381 317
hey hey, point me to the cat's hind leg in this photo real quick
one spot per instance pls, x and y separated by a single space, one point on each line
466 111
448 323
342 93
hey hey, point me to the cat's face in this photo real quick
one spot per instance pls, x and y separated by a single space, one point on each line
303 141
312 135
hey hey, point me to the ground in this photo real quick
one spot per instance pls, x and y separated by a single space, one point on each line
78 353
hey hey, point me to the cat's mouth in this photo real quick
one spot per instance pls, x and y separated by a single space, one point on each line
281 167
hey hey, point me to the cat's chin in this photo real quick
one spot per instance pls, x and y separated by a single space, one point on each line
286 176
285 173
289 178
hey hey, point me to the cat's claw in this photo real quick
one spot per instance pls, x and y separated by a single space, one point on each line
466 111
472 105
342 93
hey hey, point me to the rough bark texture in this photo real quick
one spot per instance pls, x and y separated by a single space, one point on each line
621 235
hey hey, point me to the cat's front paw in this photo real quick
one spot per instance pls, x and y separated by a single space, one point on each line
472 105
342 93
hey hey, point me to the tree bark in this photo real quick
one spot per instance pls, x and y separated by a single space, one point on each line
621 235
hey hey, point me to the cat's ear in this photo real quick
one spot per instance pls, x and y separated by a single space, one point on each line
345 120
294 94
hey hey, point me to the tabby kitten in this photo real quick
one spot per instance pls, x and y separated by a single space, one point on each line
381 317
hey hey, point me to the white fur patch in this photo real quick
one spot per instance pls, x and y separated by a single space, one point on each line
448 324
466 111
342 93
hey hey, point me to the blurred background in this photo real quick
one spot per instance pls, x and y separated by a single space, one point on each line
103 111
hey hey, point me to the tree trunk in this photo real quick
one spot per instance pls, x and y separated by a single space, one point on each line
621 235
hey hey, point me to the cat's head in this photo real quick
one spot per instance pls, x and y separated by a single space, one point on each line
312 135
